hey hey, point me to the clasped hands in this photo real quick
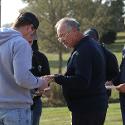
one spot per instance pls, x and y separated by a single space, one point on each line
45 87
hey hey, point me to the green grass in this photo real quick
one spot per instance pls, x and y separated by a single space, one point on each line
55 116
113 115
61 116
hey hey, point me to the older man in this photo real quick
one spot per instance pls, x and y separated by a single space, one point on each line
83 82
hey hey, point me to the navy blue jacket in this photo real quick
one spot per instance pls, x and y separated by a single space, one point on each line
112 68
83 82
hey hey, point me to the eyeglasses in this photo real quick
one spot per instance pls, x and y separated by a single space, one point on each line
62 36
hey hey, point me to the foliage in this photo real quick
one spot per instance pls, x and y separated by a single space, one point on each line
115 12
108 37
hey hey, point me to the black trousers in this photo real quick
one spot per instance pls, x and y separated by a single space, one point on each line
92 118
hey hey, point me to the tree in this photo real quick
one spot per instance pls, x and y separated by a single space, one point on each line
115 12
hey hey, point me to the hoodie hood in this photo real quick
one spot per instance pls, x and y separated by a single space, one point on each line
7 34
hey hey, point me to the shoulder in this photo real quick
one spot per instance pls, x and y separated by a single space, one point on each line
40 55
108 52
84 44
20 43
110 57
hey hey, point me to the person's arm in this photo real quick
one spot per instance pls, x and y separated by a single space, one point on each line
22 57
121 88
83 70
114 70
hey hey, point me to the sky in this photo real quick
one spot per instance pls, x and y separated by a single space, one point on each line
10 10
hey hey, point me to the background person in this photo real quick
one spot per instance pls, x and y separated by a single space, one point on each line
40 67
112 68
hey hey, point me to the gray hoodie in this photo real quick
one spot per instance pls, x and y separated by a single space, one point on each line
16 80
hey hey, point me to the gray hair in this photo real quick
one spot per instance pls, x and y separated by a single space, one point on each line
70 22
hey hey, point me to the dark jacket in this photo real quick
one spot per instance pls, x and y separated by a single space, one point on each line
40 64
112 68
83 83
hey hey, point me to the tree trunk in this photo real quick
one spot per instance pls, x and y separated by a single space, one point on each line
60 59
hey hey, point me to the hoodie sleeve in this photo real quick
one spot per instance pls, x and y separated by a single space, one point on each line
22 60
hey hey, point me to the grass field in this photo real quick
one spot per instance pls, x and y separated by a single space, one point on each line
61 116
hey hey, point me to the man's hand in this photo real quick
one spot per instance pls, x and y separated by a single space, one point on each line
45 83
47 92
50 78
121 88
109 83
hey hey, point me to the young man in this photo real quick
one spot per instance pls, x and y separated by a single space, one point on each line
16 79
83 82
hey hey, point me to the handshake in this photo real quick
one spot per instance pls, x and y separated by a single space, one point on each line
46 81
